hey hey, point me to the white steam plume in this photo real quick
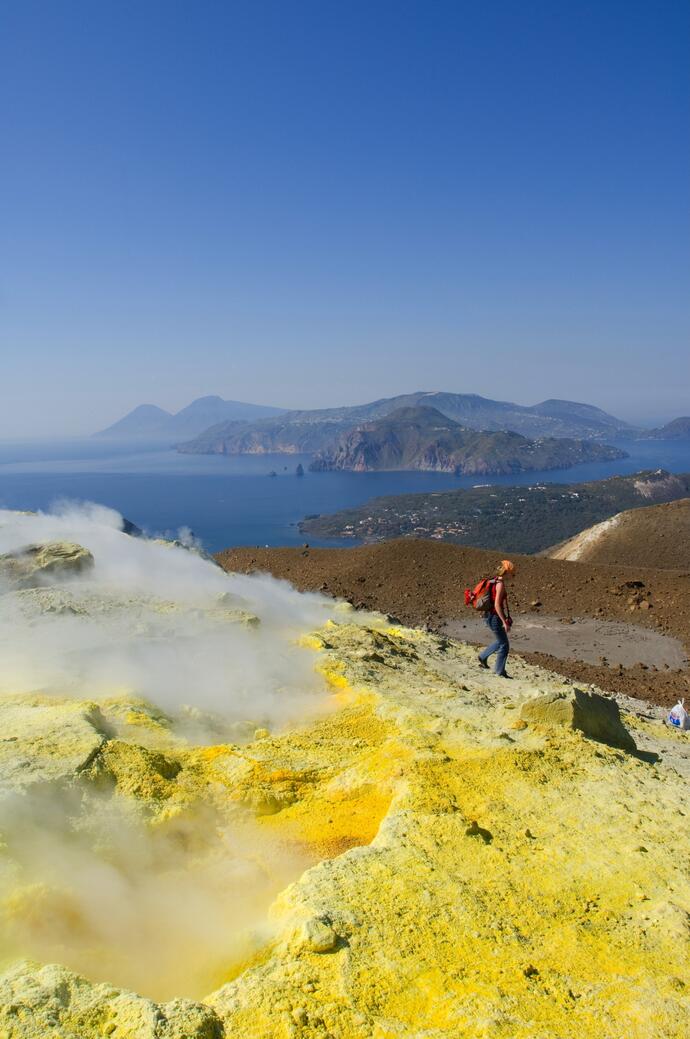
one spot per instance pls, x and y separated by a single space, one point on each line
85 879
155 620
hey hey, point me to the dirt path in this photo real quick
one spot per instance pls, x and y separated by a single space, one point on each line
422 584
580 638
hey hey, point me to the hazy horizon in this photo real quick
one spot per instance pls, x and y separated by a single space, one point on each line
651 419
313 204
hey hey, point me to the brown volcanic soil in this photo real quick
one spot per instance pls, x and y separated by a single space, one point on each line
657 536
422 583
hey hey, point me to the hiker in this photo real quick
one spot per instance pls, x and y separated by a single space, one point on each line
498 619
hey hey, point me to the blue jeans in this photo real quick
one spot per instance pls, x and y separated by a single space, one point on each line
500 646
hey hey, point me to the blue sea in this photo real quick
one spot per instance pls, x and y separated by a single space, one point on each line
230 501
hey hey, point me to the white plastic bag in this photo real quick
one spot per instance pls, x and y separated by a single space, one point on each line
679 717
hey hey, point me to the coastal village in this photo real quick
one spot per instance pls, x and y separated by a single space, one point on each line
411 523
529 518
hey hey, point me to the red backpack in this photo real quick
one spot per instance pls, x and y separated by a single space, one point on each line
482 596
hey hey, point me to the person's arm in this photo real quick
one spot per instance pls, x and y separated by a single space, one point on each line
500 604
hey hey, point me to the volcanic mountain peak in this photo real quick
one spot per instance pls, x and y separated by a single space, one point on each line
148 420
144 420
413 416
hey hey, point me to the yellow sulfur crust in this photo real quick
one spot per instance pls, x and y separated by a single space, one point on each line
459 875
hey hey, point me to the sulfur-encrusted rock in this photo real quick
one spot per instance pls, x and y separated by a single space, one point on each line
35 565
592 714
491 900
51 1001
318 935
133 770
429 863
79 601
46 740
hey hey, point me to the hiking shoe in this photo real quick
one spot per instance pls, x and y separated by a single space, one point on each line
483 663
504 674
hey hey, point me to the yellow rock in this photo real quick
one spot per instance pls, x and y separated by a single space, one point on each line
38 564
46 740
430 867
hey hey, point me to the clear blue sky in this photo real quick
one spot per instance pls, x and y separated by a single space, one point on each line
313 203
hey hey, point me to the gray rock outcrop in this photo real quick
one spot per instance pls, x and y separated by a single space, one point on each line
592 714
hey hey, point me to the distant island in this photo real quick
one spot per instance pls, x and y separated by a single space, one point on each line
151 422
678 429
211 425
423 438
318 430
510 519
